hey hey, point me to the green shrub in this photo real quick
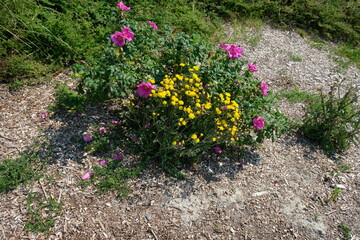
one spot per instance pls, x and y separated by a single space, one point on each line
202 96
333 121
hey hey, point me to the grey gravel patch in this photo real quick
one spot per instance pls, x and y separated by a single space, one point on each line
193 207
316 70
296 211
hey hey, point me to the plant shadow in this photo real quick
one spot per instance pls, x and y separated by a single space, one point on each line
65 141
67 147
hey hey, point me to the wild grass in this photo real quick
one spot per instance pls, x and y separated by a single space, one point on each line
37 37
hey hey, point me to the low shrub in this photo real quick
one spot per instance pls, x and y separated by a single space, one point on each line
181 96
334 120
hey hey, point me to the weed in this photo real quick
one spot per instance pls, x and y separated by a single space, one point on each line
342 168
318 44
302 33
42 212
295 58
254 41
100 145
247 30
113 177
334 195
67 99
351 52
333 121
14 172
217 229
295 95
345 230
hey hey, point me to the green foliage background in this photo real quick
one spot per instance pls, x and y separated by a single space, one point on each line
39 36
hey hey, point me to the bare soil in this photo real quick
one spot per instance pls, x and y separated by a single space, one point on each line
278 191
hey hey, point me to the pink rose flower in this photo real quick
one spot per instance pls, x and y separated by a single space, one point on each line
252 67
118 39
264 86
217 150
87 138
232 50
153 25
144 89
259 123
102 162
122 6
87 175
127 34
102 129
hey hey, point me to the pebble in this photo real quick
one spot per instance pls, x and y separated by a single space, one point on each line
339 186
148 217
257 194
123 218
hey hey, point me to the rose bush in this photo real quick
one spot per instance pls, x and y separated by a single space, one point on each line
181 95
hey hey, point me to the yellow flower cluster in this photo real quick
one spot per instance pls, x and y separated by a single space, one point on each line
186 93
229 116
196 138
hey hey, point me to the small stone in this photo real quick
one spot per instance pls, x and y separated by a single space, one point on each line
257 194
148 217
123 218
340 186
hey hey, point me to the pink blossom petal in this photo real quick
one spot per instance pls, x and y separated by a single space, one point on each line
259 123
127 34
232 50
118 39
114 122
102 129
144 89
87 175
263 87
153 25
275 182
87 138
217 150
122 6
102 162
252 67
44 115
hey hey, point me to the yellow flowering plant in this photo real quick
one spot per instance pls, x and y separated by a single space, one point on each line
176 118
181 95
